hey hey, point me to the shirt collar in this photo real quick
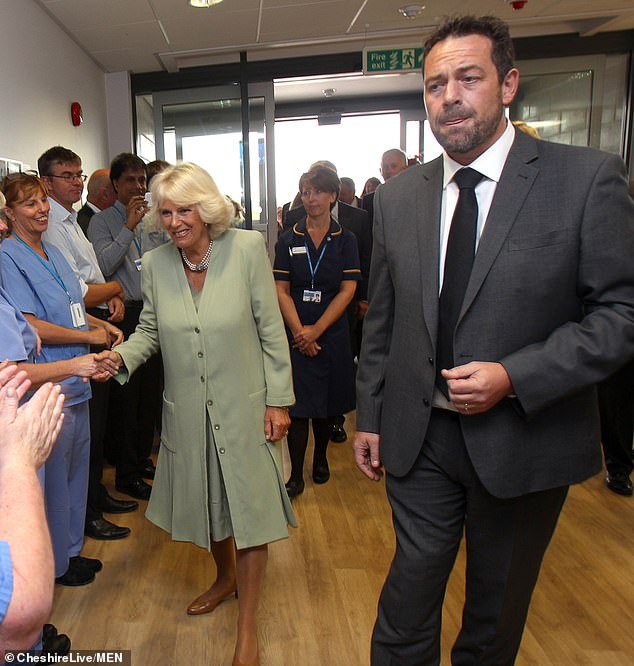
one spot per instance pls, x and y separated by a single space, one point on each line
58 212
489 164
299 228
93 207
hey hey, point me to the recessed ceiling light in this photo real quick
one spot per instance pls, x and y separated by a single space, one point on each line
410 11
203 3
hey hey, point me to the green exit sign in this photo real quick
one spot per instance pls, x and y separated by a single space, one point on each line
376 61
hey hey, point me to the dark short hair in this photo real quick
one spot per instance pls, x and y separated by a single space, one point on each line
56 155
154 168
126 162
502 51
322 178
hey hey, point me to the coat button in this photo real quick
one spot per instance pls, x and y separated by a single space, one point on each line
431 360
196 330
200 354
216 427
202 379
425 402
221 450
210 403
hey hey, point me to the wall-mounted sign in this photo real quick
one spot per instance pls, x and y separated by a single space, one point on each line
379 61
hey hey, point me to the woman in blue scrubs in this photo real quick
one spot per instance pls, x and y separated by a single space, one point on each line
45 290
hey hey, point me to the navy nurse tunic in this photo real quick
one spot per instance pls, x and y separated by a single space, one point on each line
323 384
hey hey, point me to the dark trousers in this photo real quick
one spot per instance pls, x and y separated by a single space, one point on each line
616 407
506 540
132 411
98 410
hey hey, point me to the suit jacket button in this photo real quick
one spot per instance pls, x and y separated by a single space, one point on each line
200 354
221 450
210 403
431 360
196 330
425 402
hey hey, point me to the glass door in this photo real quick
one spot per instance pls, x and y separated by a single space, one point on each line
208 126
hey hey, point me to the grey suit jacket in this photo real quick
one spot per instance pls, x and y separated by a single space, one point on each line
551 297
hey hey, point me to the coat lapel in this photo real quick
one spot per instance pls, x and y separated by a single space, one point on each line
428 203
515 183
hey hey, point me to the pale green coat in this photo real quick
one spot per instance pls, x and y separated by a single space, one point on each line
225 362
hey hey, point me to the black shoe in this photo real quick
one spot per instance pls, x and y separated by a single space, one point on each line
48 631
86 563
54 643
338 434
321 473
113 505
148 470
105 530
619 483
76 576
294 488
137 488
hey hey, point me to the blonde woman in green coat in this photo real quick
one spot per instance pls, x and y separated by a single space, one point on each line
210 306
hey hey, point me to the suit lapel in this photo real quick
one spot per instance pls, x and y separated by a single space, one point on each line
515 183
428 203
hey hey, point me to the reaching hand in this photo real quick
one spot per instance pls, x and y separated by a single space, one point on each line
108 364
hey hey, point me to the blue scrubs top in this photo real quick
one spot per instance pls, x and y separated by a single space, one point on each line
18 340
34 285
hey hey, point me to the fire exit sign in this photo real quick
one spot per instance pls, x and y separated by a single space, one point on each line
377 61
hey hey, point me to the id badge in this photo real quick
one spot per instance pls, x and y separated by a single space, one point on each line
77 315
138 263
311 296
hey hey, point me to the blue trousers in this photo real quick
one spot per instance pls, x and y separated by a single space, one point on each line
66 486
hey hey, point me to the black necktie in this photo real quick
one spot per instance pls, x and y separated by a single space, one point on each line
458 263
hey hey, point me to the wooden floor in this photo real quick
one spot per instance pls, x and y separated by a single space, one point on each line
322 585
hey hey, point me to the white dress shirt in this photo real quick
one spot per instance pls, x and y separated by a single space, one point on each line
490 165
64 232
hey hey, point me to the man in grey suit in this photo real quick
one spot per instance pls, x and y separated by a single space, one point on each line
482 422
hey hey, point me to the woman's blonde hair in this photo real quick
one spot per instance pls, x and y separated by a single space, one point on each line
188 184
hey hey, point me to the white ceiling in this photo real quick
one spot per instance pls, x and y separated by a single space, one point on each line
151 35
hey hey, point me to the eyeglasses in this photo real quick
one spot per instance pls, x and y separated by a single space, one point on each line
70 176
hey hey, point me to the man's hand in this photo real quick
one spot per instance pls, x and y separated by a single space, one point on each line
117 309
10 376
29 432
362 310
366 454
276 423
116 334
478 386
135 210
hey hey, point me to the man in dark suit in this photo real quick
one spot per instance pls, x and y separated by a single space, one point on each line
357 221
101 195
544 311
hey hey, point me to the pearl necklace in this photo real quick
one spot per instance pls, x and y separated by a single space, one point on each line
204 263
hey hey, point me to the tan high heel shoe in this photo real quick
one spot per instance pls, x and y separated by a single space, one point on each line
205 604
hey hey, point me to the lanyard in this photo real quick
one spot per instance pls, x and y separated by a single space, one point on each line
47 264
313 271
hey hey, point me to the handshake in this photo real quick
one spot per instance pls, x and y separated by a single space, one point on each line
98 367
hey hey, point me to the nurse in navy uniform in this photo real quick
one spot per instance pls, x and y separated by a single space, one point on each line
316 272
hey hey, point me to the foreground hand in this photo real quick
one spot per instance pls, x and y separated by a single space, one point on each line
276 423
11 377
366 454
478 386
116 308
311 350
84 366
29 432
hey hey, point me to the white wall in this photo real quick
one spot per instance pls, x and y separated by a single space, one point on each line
41 72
